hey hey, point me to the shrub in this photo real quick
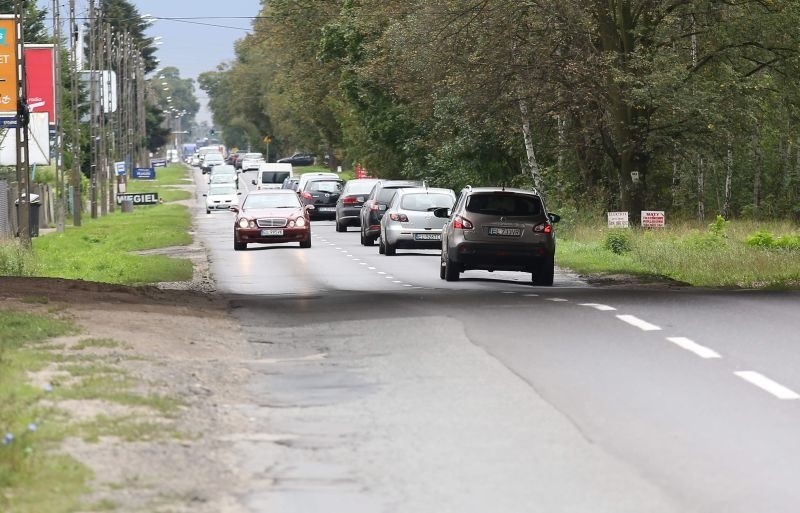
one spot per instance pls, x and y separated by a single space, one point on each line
760 239
15 260
618 241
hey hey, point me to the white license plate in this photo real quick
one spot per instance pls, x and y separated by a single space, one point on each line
271 233
427 236
327 209
505 232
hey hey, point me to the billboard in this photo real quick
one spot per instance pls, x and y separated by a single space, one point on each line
38 141
40 74
8 65
106 83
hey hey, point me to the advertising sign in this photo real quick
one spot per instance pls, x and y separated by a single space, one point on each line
158 162
119 168
106 93
140 198
8 65
38 141
40 74
653 219
143 173
617 219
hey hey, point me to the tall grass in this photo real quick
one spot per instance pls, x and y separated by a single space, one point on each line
15 260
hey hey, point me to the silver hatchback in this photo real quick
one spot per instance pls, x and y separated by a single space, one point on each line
409 222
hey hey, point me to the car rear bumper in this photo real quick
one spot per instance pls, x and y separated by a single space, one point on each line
397 236
349 216
510 257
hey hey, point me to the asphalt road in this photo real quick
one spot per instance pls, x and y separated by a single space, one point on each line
386 389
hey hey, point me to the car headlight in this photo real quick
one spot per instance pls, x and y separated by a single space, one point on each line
243 223
300 222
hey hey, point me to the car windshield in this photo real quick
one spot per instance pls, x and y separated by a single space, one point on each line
214 157
423 201
272 201
325 186
222 191
223 178
385 195
518 205
274 176
253 156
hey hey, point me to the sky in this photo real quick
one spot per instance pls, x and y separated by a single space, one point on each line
192 45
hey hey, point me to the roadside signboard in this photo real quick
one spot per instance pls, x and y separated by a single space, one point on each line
119 168
143 173
617 219
653 219
40 73
8 65
140 198
158 162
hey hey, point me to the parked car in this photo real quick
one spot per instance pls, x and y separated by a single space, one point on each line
271 175
375 204
224 173
210 160
271 216
323 194
348 208
221 196
299 159
251 161
498 229
409 223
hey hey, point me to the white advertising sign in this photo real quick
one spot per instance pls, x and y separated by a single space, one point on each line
617 219
653 219
38 142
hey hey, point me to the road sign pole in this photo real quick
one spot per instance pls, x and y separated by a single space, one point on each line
23 168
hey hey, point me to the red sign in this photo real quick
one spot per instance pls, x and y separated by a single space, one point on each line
653 219
41 79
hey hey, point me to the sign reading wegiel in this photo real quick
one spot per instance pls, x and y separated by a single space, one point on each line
653 219
142 198
8 64
143 173
617 219
158 162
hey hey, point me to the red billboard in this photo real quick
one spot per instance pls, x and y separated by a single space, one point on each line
41 79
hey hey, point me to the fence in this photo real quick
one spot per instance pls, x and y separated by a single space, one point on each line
9 193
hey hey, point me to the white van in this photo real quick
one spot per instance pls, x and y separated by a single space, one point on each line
271 175
305 177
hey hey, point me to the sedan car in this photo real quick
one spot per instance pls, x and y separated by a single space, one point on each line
251 161
299 159
221 196
223 174
498 229
409 222
374 206
271 216
323 194
348 208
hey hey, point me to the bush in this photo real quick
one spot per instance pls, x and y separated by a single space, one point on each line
16 260
618 241
764 239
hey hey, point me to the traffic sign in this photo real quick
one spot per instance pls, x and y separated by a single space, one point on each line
119 168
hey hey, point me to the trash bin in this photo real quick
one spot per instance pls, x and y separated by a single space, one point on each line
33 211
127 205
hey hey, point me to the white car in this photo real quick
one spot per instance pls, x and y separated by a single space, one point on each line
251 161
221 196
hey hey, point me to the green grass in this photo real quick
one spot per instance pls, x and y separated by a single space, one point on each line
15 260
167 178
346 174
706 256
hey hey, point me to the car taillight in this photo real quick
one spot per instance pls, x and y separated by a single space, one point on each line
374 206
459 223
349 200
402 218
543 228
306 195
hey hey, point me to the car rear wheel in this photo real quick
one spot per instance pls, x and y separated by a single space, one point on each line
451 270
441 268
545 274
306 243
381 247
340 227
366 241
239 246
208 211
389 249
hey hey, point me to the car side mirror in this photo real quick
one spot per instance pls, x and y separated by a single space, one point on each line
442 212
253 182
205 195
554 218
239 193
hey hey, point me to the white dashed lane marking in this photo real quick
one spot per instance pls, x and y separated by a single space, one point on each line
639 323
597 306
766 384
557 300
694 347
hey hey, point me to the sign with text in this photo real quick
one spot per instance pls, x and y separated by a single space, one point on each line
8 65
40 73
119 168
141 198
158 162
653 219
143 173
38 141
617 219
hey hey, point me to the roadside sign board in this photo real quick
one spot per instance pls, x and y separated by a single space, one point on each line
119 168
8 65
41 79
617 219
158 162
653 219
140 198
143 173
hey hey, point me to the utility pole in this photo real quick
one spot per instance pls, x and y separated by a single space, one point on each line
102 160
60 180
23 118
112 116
76 129
140 97
93 158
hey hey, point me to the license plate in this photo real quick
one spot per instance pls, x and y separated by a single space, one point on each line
427 236
326 209
505 232
272 232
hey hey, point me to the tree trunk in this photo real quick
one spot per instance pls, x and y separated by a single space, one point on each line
701 190
726 208
757 170
533 165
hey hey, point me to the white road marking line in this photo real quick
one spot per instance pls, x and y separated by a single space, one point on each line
531 295
397 281
338 249
508 292
356 260
635 321
557 300
407 285
694 347
597 306
381 272
389 277
371 268
362 263
766 384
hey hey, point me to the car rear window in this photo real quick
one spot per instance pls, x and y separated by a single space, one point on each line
423 202
325 186
359 187
517 205
274 176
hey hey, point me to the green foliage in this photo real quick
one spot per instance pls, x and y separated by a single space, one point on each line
766 240
618 241
15 260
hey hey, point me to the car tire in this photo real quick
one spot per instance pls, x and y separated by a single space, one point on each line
389 249
544 275
306 243
451 270
381 247
208 211
239 246
340 227
366 241
441 268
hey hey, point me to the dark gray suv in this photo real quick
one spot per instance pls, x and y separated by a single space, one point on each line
495 228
